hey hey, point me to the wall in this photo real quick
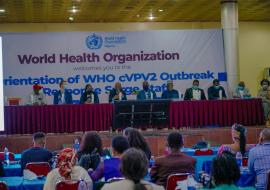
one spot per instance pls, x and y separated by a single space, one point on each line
254 40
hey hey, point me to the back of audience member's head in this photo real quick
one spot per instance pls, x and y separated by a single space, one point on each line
134 166
175 140
265 136
119 144
39 139
136 140
225 169
91 143
126 131
239 135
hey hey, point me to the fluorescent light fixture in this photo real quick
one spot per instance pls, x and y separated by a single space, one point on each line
2 125
160 10
2 10
73 10
71 18
151 17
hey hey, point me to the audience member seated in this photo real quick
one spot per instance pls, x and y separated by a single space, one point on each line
170 93
90 150
136 140
174 162
259 159
66 170
225 172
216 92
126 131
264 94
241 91
195 93
239 141
1 169
134 166
38 153
110 168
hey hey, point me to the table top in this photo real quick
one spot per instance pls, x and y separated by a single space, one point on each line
17 182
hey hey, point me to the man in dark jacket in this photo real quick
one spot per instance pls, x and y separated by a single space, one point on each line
195 93
175 162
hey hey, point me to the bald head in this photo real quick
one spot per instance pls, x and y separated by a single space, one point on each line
265 135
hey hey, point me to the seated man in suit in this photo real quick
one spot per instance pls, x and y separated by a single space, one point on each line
146 93
62 96
89 96
170 93
117 93
174 162
216 91
37 153
195 93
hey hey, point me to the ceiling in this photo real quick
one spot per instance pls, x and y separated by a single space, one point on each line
86 11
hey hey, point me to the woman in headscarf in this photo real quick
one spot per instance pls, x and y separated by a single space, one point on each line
239 141
67 170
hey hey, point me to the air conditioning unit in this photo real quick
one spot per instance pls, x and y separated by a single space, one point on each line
266 74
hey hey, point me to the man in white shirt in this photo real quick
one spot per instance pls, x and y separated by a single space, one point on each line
37 97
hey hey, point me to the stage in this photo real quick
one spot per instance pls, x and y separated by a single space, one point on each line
155 138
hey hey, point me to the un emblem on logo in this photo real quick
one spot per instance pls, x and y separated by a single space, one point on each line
94 41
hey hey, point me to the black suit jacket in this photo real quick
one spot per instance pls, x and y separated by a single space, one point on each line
113 93
189 94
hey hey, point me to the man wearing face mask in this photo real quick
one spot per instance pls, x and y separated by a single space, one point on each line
241 91
195 93
216 92
264 94
146 93
117 93
170 93
37 97
89 96
62 96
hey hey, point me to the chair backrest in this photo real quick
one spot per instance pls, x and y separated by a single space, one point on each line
203 152
67 185
3 185
11 156
174 178
39 168
115 179
14 101
268 180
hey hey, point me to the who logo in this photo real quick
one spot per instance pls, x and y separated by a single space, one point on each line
94 41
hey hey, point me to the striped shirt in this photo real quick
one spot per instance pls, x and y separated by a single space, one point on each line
259 164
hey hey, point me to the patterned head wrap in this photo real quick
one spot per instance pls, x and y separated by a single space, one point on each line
65 162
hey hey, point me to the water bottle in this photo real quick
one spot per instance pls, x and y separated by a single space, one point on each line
239 159
190 183
6 155
76 146
151 162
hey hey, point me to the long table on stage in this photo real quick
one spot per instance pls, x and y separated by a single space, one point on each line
99 117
